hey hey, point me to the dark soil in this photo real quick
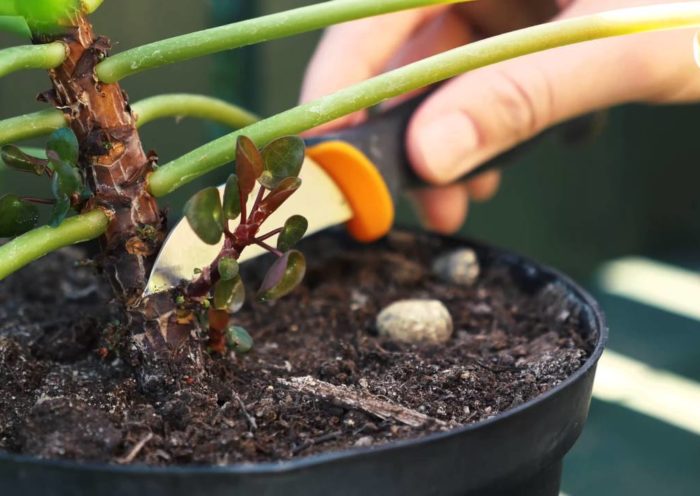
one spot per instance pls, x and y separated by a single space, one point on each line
65 392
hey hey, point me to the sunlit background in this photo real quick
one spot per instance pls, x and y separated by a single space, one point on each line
632 190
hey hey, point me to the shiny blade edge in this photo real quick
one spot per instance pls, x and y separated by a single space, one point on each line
318 199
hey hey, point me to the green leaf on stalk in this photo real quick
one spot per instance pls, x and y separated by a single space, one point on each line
283 158
249 164
228 268
232 198
60 211
205 215
16 159
279 195
66 180
16 216
64 143
284 275
229 295
292 232
238 340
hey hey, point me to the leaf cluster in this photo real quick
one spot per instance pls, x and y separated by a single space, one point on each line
274 171
20 214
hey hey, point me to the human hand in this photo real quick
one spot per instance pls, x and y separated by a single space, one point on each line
478 115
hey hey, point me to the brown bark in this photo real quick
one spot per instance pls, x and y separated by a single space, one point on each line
116 169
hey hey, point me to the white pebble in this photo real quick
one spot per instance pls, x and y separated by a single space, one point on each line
458 267
416 321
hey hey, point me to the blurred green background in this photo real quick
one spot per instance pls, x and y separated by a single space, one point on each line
631 190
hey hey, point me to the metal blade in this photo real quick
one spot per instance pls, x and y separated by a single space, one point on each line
319 200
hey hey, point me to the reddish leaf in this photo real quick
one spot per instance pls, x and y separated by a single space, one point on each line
249 164
283 158
279 195
284 275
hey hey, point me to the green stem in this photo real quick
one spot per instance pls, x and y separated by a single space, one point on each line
437 68
15 25
33 245
186 105
248 32
31 125
32 57
174 105
90 6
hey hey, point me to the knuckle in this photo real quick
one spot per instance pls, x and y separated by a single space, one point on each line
524 108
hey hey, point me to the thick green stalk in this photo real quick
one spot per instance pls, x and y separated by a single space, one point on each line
248 32
171 176
33 245
90 6
32 57
15 25
157 107
187 105
31 125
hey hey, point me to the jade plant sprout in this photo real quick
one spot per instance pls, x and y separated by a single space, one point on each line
105 186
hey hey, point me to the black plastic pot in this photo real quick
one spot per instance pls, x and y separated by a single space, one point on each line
518 452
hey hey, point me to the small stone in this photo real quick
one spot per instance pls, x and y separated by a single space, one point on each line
364 441
459 267
416 321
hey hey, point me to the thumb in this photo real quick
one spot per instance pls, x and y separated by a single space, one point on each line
483 113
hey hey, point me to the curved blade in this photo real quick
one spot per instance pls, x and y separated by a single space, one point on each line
319 200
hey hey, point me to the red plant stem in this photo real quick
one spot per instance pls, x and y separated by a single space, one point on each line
39 201
258 199
244 213
270 234
269 248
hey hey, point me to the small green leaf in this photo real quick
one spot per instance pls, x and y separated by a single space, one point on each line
205 215
17 159
292 232
284 275
228 268
64 143
238 340
60 211
232 198
283 158
279 195
66 180
249 164
229 295
16 216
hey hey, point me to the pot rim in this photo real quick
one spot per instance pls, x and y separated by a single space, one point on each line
306 462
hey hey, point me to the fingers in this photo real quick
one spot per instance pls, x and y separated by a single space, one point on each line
483 113
444 32
355 51
442 209
485 186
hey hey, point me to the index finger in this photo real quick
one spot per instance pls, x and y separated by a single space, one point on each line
355 51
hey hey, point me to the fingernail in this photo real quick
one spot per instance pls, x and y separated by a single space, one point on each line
446 143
